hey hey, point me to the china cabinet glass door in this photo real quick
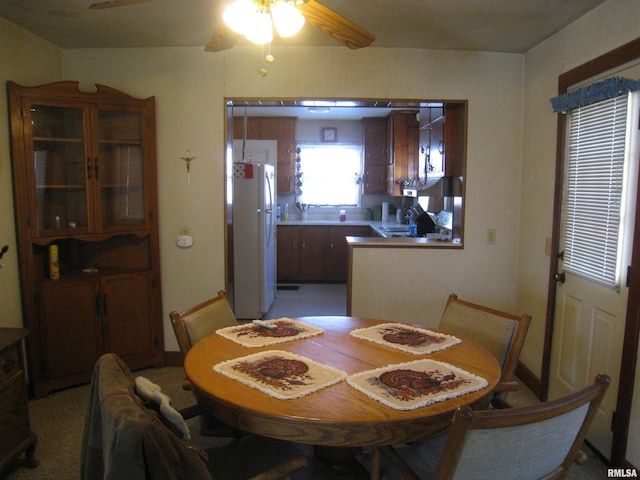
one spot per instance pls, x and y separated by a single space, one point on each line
60 166
120 169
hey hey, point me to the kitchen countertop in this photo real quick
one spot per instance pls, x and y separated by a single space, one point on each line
384 238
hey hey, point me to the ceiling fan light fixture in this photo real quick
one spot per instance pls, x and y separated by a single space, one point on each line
237 14
255 19
259 28
286 18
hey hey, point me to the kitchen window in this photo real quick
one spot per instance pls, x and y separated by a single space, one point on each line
329 175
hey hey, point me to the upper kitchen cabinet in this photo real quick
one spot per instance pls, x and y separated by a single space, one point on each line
84 176
282 129
442 141
376 155
403 138
455 139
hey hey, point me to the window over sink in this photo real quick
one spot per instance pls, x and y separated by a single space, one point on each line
328 175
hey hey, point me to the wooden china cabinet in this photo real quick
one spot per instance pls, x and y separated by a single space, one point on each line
84 175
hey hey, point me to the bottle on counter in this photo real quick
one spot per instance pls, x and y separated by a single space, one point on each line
278 213
285 216
342 216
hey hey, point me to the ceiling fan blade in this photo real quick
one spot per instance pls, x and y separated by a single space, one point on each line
223 39
116 3
335 25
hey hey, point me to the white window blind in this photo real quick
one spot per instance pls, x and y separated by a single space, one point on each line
594 190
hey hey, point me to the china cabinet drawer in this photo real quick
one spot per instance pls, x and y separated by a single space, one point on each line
16 436
9 365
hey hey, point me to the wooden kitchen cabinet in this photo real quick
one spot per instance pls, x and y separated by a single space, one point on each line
288 253
338 251
84 176
442 140
455 126
376 155
16 436
314 243
315 253
403 138
282 129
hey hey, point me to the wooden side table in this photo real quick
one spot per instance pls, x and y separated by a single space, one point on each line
15 431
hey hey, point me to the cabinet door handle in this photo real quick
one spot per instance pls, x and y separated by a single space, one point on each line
89 168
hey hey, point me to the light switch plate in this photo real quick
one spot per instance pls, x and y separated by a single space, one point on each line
491 236
184 241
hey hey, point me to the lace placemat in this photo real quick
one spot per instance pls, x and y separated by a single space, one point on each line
280 374
411 385
252 335
410 339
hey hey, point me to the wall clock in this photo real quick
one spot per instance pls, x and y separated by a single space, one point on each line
329 134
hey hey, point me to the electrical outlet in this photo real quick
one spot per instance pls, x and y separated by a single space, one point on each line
491 236
185 231
184 241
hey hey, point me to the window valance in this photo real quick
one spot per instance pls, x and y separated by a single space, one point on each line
596 92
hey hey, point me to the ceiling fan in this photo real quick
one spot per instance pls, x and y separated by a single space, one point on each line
323 18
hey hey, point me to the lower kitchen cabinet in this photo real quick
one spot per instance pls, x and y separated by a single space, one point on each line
288 253
338 251
81 317
315 253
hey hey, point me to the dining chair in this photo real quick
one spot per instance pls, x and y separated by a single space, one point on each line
191 326
533 442
201 320
499 332
131 431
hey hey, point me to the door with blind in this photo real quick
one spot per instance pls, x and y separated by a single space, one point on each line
595 244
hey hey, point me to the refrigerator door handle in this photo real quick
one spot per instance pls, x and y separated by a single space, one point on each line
269 209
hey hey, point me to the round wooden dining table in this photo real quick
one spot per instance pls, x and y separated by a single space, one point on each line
338 415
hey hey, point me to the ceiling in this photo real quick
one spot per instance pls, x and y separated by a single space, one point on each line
488 25
513 26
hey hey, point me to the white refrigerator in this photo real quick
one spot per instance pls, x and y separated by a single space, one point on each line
254 239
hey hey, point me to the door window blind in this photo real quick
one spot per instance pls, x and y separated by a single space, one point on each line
594 190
